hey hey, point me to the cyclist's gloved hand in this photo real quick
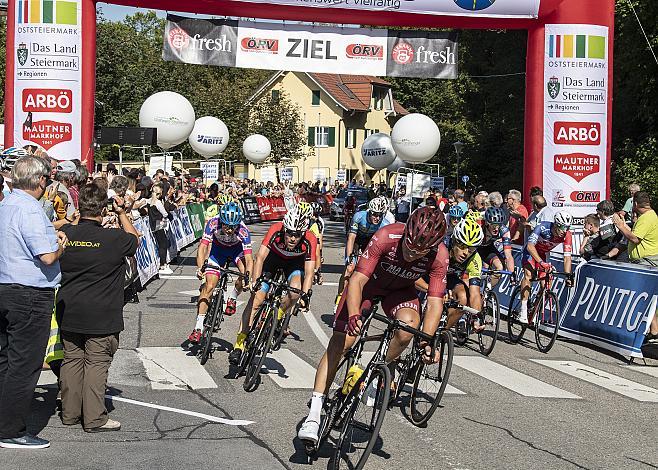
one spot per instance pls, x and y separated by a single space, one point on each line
354 325
427 356
569 280
545 266
199 273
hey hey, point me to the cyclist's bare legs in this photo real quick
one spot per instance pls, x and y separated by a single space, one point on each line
454 314
401 339
497 265
206 291
342 282
339 344
525 292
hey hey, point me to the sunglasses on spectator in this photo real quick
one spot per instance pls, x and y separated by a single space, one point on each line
295 233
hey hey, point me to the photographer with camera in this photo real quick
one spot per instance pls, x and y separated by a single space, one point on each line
90 304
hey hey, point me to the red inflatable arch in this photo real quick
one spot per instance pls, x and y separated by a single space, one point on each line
579 153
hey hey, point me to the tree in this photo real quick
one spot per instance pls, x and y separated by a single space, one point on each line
280 121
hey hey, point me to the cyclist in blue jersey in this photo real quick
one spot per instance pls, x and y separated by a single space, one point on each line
497 244
364 225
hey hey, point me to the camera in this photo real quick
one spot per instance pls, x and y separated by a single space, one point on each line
110 204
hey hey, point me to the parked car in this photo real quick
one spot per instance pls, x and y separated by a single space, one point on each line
336 209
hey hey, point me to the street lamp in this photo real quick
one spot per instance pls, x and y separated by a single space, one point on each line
459 146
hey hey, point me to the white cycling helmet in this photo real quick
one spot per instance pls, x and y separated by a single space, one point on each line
378 204
564 219
9 156
295 221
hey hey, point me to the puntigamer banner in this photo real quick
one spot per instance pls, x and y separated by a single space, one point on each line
306 48
487 8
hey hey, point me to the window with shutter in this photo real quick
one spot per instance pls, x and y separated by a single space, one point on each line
315 98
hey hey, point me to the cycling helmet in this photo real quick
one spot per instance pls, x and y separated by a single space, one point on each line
224 199
9 156
230 214
456 212
495 215
425 228
468 232
475 216
296 221
564 219
378 204
305 209
317 208
212 211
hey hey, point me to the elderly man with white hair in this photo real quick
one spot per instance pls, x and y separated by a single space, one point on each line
518 216
29 275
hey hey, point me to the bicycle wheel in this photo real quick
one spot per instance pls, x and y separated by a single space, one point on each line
515 330
547 321
363 420
252 338
208 329
489 317
403 367
431 382
261 348
281 330
333 404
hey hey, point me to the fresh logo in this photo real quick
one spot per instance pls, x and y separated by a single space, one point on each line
270 46
403 53
368 51
178 38
571 46
577 165
48 133
21 53
48 12
474 5
553 87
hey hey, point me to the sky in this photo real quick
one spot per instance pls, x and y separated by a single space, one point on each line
118 12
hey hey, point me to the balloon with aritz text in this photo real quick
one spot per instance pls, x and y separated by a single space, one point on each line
377 151
209 136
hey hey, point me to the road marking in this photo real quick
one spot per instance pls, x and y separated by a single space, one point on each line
603 379
214 419
330 284
173 369
288 370
510 379
180 277
649 370
191 293
46 378
317 329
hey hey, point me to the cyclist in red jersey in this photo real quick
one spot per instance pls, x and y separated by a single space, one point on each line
289 246
395 258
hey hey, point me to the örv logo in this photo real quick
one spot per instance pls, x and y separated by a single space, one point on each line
365 51
577 133
268 46
47 100
586 196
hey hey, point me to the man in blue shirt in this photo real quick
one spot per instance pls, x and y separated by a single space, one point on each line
29 274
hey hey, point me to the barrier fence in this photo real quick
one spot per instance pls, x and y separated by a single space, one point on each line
611 304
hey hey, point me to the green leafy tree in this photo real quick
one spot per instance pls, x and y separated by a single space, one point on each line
279 119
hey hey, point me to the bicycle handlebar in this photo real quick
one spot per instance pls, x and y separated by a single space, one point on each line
283 285
454 304
494 271
227 271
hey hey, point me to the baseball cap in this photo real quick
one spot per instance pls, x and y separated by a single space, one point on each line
67 166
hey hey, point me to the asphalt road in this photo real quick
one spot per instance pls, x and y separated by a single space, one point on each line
583 409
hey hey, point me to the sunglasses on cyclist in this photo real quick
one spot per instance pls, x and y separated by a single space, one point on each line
376 215
461 246
230 227
295 233
413 251
495 226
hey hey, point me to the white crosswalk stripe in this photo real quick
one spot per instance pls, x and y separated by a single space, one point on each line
288 370
174 369
510 379
603 379
649 370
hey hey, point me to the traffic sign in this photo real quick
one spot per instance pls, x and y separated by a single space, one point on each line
465 179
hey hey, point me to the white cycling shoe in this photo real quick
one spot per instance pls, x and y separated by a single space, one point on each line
523 319
309 431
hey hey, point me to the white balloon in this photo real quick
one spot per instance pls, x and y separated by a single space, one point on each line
171 113
396 165
416 138
209 136
377 151
256 148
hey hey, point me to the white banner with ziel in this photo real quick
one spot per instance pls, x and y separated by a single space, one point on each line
576 117
47 77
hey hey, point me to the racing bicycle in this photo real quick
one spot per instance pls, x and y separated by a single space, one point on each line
215 314
543 311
